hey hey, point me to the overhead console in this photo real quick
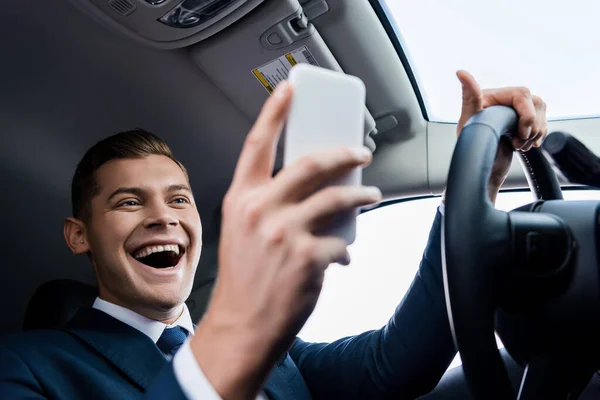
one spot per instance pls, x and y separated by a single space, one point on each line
167 24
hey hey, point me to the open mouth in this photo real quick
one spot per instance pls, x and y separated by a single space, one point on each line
160 256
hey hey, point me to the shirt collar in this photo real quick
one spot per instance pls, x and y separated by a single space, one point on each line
147 326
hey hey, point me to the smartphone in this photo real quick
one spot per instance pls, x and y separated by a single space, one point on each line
327 111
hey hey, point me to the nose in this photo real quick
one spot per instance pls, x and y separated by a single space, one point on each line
160 216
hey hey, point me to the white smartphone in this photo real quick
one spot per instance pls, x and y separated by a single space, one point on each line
327 111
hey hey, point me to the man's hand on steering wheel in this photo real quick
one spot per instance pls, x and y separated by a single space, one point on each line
532 121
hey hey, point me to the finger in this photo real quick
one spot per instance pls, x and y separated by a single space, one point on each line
472 98
518 143
309 173
539 141
536 133
527 146
521 100
334 199
539 129
315 254
540 106
258 154
346 260
524 107
330 250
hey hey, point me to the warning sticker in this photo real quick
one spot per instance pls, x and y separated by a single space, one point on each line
270 74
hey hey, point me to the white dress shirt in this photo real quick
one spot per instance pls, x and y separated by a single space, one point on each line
190 377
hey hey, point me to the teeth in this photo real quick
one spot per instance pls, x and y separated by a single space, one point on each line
146 251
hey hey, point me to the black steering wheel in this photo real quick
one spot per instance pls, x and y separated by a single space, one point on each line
532 274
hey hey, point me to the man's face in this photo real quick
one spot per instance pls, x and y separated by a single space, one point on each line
144 233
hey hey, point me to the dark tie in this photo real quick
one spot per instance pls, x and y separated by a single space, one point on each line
171 340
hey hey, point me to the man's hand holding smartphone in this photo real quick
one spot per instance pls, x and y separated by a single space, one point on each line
272 255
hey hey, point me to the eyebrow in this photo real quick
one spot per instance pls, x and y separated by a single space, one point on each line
139 191
177 188
129 190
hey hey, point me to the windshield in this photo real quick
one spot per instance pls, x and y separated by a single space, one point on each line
549 46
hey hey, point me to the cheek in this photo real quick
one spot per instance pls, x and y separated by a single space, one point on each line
115 229
191 223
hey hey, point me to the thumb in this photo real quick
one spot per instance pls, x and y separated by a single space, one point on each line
472 98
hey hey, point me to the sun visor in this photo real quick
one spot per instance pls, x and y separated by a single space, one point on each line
248 59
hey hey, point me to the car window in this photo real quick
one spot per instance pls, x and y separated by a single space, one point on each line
385 257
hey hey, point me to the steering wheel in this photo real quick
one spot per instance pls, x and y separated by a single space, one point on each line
531 274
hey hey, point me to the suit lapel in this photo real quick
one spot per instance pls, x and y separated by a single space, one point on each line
134 353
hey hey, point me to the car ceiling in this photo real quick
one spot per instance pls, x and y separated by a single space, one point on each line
68 81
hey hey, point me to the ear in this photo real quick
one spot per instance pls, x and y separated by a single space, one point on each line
75 236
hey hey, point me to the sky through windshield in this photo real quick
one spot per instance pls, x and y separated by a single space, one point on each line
553 47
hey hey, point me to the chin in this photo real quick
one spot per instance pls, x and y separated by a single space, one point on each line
168 298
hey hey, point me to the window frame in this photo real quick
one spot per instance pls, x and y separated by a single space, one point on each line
389 25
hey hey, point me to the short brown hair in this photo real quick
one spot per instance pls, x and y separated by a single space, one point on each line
136 143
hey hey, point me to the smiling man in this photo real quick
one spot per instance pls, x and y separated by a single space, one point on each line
135 217
134 213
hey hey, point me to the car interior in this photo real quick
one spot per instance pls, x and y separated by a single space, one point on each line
196 72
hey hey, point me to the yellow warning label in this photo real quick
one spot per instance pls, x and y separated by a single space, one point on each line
263 80
291 59
270 74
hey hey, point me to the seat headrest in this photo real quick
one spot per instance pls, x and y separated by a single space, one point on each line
56 302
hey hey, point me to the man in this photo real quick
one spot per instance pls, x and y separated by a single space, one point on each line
134 216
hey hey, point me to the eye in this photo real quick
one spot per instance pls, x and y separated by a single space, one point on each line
129 203
180 200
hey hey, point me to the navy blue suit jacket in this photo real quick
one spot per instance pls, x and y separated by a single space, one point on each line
97 357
